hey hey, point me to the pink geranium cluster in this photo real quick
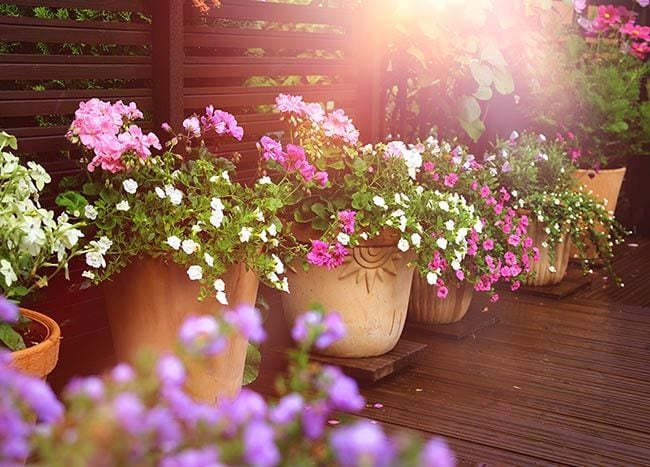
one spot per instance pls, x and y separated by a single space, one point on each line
222 123
618 20
335 124
292 160
347 219
324 254
106 130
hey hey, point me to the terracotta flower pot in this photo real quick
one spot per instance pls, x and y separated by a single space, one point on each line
605 186
149 300
39 360
425 306
542 275
370 291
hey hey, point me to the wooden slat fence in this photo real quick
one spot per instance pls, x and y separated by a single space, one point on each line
172 61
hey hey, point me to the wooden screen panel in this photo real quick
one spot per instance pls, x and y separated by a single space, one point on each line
281 13
139 6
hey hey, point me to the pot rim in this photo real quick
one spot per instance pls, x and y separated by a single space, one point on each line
51 338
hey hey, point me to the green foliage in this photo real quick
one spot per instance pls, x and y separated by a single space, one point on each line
11 338
449 60
596 93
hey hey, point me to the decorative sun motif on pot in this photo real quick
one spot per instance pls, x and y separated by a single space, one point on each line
370 264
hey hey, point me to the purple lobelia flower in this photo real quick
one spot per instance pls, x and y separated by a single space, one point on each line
313 419
129 412
247 406
170 371
260 449
168 434
247 320
205 457
202 335
287 409
91 387
361 444
322 330
436 453
8 311
122 373
342 391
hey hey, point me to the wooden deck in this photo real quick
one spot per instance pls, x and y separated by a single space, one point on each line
552 382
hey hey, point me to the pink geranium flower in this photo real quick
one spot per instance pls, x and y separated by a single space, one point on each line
287 103
339 125
347 219
451 180
325 255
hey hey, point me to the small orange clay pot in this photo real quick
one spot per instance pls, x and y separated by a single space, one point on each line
39 360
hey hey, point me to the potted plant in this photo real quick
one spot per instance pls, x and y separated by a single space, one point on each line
594 97
538 173
35 245
499 248
357 216
180 236
142 416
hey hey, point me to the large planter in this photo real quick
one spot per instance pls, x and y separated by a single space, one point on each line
370 291
540 273
605 186
148 302
39 360
425 307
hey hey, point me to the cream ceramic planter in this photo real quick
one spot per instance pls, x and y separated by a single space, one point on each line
148 302
39 360
425 307
542 275
370 291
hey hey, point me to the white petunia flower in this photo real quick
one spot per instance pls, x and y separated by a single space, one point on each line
264 181
216 204
279 265
175 195
7 272
209 260
263 236
174 242
195 273
403 245
259 215
379 201
552 268
478 226
343 238
450 224
90 212
123 206
432 278
225 176
95 259
160 193
444 205
216 218
219 285
245 234
221 298
189 246
416 239
442 243
88 275
130 186
272 230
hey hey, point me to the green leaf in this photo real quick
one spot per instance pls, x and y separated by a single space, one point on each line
503 81
8 140
481 73
474 129
91 189
10 338
71 201
320 224
468 108
319 210
252 367
483 93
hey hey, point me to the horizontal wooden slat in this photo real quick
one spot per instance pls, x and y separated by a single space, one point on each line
214 67
87 32
200 36
76 59
141 6
132 94
58 105
196 98
74 67
282 13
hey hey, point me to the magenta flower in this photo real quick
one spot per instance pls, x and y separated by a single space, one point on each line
640 49
442 292
428 166
488 245
451 180
347 219
323 254
321 178
608 14
272 150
